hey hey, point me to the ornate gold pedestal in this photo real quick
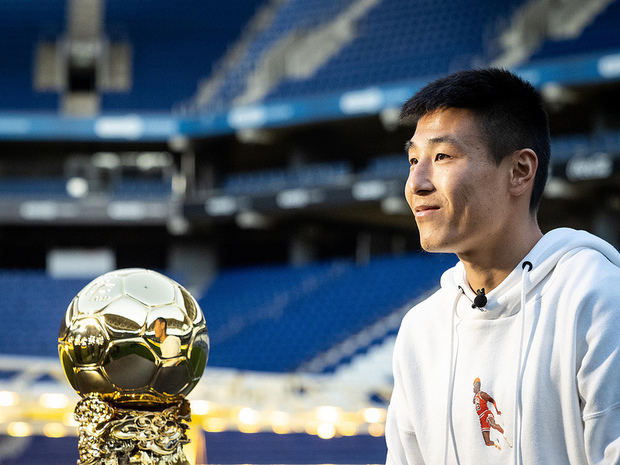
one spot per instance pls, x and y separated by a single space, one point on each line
115 436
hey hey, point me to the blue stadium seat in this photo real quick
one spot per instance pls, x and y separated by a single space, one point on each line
33 307
33 187
310 320
396 40
171 50
564 147
22 24
240 297
267 181
295 14
608 141
142 188
386 166
600 35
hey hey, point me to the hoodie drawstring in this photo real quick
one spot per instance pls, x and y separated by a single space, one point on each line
526 267
449 426
449 433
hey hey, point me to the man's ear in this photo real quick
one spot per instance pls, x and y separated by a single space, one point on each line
522 171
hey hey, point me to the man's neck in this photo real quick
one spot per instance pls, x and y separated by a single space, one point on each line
163 338
488 267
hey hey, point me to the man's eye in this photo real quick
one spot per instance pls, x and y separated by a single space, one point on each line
441 156
413 161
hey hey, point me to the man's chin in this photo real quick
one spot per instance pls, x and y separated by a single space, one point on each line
431 249
433 245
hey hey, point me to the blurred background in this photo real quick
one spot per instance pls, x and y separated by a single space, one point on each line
252 151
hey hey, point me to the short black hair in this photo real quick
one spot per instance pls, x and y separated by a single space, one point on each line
510 111
163 320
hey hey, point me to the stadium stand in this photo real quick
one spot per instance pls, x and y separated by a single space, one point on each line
273 180
280 332
142 187
22 24
23 186
376 54
33 305
601 34
566 147
288 17
157 58
56 187
387 166
266 291
164 72
334 173
393 166
315 175
607 140
270 318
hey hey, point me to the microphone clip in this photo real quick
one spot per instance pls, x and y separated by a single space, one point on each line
480 300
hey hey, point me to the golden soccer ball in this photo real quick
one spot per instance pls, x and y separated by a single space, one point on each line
134 336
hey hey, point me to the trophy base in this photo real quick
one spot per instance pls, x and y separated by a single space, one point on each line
110 435
177 458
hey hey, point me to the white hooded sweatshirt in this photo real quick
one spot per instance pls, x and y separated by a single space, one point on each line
545 349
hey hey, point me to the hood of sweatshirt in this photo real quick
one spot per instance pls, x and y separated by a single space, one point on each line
505 300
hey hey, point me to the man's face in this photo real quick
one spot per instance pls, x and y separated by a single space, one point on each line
476 388
456 191
158 327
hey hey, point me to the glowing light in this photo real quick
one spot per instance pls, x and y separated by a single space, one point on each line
50 400
68 420
327 414
249 428
54 430
214 425
347 428
311 428
280 422
8 398
280 418
326 430
373 415
280 429
200 407
248 416
19 429
77 187
376 429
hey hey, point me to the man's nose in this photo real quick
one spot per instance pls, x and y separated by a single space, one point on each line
420 178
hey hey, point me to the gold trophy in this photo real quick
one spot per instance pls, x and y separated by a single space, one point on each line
133 343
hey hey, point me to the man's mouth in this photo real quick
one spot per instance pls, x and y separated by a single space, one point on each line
425 210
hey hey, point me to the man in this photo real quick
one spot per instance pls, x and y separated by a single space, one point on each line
538 317
487 420
170 345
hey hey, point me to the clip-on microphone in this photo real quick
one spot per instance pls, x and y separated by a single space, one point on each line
480 300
